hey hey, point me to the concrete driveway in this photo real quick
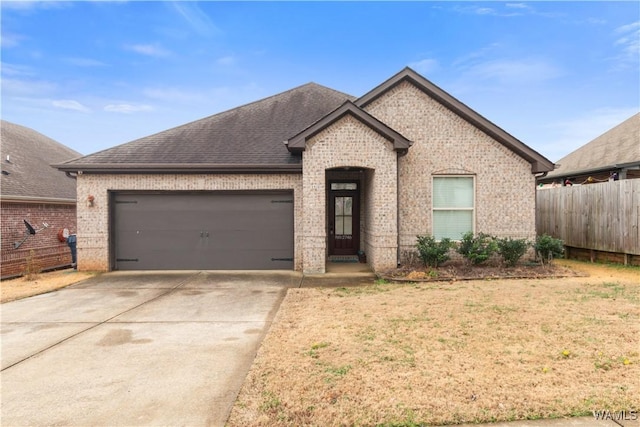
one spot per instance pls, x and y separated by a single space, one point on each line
127 349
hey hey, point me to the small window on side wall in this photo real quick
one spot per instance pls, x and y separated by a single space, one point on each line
453 206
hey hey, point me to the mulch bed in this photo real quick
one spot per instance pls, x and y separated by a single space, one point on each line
460 270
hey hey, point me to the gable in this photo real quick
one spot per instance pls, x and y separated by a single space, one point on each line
538 162
298 142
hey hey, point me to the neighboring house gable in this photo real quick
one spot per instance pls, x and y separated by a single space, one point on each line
352 175
34 191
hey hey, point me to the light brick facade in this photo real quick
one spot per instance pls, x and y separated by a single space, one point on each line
395 185
444 143
350 143
93 221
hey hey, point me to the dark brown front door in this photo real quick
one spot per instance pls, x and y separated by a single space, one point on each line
344 222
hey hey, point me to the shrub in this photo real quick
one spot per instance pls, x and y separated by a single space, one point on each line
431 252
478 248
547 248
511 250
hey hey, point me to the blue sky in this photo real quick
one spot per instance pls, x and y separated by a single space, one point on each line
93 75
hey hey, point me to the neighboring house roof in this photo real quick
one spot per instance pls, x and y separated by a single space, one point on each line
539 163
252 138
617 148
26 165
248 138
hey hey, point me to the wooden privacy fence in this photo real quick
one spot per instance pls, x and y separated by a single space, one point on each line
600 217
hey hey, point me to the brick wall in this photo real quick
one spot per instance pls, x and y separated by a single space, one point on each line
444 143
41 251
350 143
93 222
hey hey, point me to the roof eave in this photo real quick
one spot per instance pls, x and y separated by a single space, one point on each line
189 168
605 168
35 199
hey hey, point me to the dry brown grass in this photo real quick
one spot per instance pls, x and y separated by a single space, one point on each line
35 284
444 353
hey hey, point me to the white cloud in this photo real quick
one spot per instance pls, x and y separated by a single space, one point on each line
634 26
628 39
172 94
70 104
512 71
425 66
10 40
127 108
518 6
488 11
15 69
226 61
24 87
85 62
195 17
149 50
27 5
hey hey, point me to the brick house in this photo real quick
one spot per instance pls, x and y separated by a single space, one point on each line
34 191
303 177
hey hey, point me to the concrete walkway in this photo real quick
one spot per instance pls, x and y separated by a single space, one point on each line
126 349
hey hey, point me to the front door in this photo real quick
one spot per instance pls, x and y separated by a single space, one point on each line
344 222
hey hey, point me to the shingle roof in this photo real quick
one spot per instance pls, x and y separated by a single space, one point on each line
248 137
618 146
28 173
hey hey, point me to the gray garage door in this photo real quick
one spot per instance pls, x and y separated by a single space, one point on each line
203 231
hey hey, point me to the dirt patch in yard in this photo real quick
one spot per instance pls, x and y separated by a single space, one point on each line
450 352
35 284
461 270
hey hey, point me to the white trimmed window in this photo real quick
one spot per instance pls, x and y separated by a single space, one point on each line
453 206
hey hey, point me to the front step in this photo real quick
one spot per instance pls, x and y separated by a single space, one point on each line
343 258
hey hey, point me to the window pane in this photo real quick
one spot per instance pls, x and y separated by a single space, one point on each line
452 224
344 186
348 229
339 205
348 202
339 225
453 192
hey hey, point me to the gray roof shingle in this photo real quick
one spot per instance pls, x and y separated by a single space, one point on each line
251 136
28 172
619 145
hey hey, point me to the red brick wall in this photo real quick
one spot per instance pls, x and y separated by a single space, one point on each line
41 251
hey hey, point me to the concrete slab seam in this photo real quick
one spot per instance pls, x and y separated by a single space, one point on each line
95 325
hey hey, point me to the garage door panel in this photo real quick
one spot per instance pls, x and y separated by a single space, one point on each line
203 231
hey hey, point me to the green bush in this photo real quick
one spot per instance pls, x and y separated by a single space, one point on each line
548 248
511 250
431 252
477 248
